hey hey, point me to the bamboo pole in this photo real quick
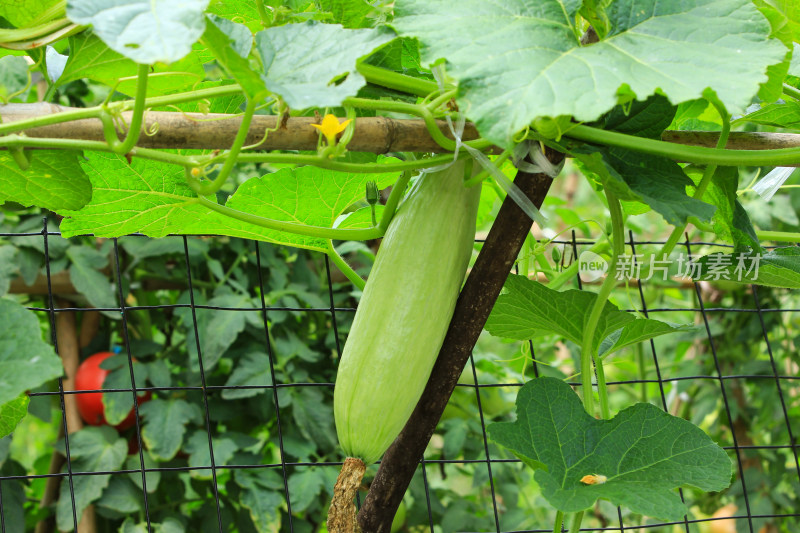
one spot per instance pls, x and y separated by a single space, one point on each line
379 135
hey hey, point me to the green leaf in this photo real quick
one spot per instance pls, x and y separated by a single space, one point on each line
21 12
730 220
13 75
312 64
92 449
25 360
89 281
197 448
656 181
784 16
777 268
154 199
144 31
314 423
526 60
143 196
643 452
251 370
643 119
90 58
54 181
782 115
259 496
8 267
229 55
244 11
122 496
527 309
305 487
14 505
165 424
152 478
306 195
117 405
350 14
218 329
11 413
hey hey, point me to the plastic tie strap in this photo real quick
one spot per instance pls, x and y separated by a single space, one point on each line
774 180
541 164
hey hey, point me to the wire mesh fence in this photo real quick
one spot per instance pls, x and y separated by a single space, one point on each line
239 361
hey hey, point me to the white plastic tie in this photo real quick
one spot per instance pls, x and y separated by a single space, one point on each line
506 184
774 180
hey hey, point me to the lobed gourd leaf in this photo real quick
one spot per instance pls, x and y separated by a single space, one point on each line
527 309
143 30
642 454
312 64
526 59
154 199
776 268
54 181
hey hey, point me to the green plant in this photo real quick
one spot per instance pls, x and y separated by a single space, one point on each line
589 80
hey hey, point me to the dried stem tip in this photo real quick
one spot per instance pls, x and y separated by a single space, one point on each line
342 513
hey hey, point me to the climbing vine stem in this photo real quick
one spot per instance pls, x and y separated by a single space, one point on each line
135 127
587 345
231 158
689 154
320 232
705 181
346 269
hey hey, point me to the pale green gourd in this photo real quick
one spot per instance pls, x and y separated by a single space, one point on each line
404 312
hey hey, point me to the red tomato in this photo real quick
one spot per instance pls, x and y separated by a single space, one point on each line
90 405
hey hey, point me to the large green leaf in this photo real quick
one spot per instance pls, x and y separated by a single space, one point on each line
54 181
642 453
777 268
147 31
12 412
527 309
165 424
92 449
306 195
90 58
26 361
312 64
656 181
524 58
155 200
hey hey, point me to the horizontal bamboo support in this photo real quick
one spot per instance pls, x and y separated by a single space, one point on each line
379 135
214 131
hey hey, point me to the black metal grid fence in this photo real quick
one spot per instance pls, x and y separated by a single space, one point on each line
786 400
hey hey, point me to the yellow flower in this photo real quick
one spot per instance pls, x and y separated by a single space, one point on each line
331 127
594 479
